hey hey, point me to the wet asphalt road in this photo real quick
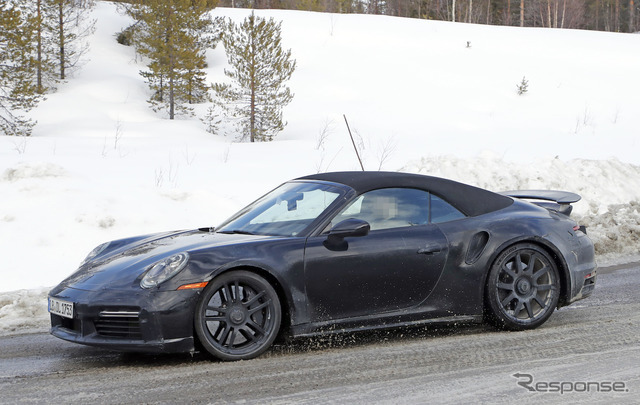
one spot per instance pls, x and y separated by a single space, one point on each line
590 351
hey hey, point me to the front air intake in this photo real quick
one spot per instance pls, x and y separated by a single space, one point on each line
119 324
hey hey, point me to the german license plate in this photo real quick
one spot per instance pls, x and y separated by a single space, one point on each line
60 307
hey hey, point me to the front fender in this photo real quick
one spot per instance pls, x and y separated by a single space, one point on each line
281 262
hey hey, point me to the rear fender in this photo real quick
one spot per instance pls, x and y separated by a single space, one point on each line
558 258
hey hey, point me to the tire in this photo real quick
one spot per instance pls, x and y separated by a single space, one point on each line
238 316
522 288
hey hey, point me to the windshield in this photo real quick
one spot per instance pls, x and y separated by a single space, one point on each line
286 211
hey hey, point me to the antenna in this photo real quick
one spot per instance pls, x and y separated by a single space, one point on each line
353 142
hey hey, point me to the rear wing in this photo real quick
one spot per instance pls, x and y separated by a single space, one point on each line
560 200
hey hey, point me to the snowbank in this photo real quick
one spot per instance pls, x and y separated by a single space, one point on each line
610 190
23 311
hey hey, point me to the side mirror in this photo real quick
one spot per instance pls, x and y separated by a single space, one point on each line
349 227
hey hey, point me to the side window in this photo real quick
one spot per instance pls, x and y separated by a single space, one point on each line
442 211
389 208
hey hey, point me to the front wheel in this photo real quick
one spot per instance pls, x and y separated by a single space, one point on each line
523 288
238 316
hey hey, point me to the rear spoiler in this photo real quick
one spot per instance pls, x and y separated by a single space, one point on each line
560 200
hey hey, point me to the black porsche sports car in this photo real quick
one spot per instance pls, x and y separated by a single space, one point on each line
331 253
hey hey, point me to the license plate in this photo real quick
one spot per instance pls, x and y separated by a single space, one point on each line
60 307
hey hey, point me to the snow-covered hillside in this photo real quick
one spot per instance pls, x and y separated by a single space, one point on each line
102 165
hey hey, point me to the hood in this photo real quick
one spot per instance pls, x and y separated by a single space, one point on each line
122 264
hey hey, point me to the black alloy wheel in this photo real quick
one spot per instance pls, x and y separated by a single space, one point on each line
523 288
238 316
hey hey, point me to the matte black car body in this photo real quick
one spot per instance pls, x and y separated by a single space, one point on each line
330 282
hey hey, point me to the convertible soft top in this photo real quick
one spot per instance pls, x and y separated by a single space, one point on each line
472 201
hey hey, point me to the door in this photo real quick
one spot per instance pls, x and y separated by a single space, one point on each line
392 268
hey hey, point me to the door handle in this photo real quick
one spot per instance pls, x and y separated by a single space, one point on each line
429 250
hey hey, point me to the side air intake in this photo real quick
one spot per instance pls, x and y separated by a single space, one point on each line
476 247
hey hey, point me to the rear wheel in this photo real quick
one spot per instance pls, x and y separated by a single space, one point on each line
238 316
523 288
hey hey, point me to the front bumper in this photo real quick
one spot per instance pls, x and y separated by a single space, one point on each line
137 320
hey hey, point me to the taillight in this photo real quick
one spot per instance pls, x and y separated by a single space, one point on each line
580 228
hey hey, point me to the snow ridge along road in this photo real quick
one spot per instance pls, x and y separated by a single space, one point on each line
590 349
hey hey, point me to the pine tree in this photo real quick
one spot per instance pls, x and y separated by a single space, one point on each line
71 28
259 70
17 68
174 35
44 13
62 28
523 86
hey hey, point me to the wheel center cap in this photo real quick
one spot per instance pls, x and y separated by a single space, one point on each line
524 286
236 316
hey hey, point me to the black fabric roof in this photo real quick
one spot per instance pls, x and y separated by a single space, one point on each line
470 200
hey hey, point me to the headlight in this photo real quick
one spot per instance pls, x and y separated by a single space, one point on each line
164 270
95 252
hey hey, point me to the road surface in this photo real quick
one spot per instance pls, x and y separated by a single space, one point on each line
586 353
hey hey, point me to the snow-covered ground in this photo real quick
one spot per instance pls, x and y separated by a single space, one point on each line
101 165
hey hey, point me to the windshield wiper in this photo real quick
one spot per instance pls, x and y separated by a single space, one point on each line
237 232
